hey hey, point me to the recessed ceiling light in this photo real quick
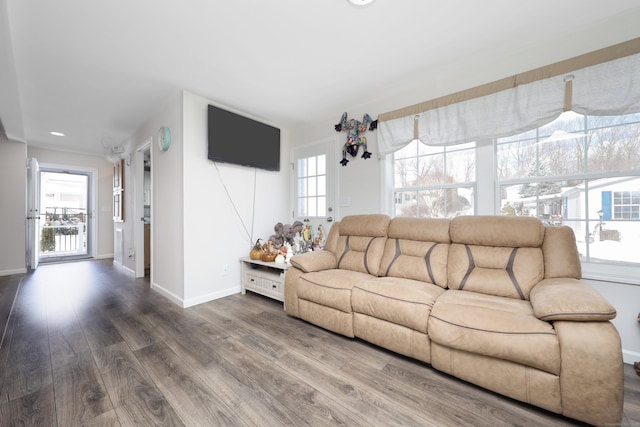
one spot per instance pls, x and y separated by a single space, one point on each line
57 133
360 2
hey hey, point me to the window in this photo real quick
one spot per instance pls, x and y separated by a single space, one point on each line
535 154
434 182
118 189
312 186
626 205
580 171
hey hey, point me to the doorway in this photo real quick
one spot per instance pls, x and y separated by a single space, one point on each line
313 184
143 211
64 215
60 213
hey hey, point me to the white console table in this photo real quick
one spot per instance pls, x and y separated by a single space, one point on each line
264 278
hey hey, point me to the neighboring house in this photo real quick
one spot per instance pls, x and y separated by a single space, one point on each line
610 231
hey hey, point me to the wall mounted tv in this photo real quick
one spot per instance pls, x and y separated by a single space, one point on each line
242 141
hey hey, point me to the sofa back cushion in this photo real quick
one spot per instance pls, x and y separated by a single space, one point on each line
361 242
496 255
417 248
561 256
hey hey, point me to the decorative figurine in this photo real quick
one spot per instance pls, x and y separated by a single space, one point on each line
354 140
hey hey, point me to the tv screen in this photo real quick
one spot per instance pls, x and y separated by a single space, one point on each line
242 141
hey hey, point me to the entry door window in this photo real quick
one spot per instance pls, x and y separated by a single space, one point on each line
64 208
312 186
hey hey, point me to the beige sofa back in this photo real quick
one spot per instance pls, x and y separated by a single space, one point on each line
494 255
561 256
361 242
417 248
499 256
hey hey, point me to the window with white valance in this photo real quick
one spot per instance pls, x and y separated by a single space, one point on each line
561 143
522 102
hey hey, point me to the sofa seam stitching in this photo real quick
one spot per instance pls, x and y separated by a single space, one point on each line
392 298
490 331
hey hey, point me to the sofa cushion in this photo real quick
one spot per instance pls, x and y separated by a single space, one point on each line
499 327
561 256
417 248
500 271
364 225
496 255
330 288
314 261
508 231
361 242
401 301
569 299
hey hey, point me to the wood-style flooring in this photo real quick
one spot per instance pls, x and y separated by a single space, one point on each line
8 290
87 344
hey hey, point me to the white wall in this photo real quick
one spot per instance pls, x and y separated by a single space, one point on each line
197 236
104 185
167 220
214 233
13 205
626 300
360 180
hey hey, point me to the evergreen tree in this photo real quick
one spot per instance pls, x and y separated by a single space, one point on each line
539 188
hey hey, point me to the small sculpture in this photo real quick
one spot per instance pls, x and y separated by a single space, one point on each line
286 251
297 243
318 242
354 140
285 232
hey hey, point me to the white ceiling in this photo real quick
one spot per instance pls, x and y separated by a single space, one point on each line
96 70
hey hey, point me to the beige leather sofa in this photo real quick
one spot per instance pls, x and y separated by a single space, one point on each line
496 301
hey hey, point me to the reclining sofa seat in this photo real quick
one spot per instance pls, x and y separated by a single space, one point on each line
323 295
483 329
392 310
496 301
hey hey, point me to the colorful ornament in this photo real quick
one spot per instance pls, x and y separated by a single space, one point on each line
354 140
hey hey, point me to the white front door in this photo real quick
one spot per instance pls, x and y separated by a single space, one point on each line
313 185
33 214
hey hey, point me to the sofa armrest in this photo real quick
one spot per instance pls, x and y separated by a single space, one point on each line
591 372
315 261
569 299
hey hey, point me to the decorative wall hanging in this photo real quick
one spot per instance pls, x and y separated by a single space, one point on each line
354 140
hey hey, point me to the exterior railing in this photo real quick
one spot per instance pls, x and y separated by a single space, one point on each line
60 240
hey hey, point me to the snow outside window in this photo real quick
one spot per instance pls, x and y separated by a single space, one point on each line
434 182
581 171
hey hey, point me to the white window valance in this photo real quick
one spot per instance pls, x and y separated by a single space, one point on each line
612 88
607 88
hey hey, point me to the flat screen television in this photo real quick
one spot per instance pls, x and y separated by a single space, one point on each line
242 141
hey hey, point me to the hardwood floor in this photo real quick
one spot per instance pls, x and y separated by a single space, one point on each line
87 344
8 290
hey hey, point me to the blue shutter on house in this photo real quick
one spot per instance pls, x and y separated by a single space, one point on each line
606 204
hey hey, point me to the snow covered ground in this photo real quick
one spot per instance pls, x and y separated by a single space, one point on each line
625 250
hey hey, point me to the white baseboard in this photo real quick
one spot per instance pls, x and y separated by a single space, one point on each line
210 297
196 300
629 356
12 272
124 267
168 294
104 256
